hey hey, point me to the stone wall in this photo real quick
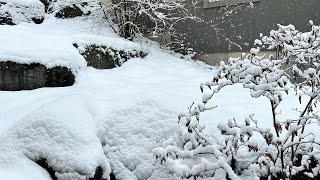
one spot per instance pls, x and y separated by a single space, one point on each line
72 11
103 57
15 77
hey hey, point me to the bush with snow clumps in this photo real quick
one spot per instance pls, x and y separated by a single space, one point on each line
130 15
288 151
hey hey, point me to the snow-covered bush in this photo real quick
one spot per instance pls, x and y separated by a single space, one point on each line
131 17
288 150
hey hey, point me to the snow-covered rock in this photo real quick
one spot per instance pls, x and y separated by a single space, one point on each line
16 77
16 11
107 53
73 8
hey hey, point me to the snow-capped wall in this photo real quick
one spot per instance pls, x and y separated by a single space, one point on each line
107 53
15 76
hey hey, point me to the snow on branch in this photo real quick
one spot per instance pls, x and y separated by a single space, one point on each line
130 16
287 151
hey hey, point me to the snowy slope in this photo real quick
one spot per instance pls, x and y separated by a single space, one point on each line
130 107
129 110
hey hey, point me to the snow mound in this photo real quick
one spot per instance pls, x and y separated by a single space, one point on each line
130 133
17 11
66 139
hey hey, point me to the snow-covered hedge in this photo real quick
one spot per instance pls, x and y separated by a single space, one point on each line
16 11
288 150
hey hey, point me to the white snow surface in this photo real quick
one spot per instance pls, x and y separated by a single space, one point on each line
115 43
22 10
128 110
51 43
115 116
57 135
23 2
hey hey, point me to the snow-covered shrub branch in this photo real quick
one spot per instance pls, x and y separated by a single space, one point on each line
130 17
287 151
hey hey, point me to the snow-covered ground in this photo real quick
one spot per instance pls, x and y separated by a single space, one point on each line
129 109
51 43
114 116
